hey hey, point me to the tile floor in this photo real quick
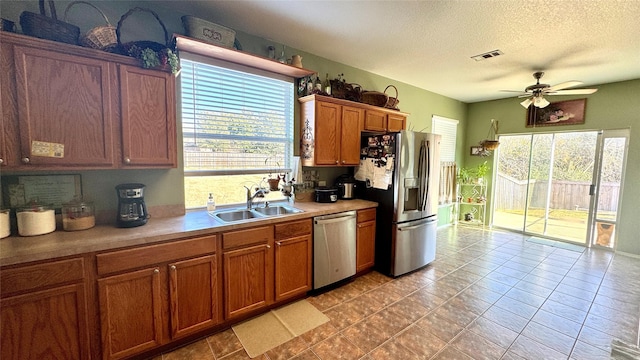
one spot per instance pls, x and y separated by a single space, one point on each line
488 295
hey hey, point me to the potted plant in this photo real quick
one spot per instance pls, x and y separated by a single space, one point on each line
471 175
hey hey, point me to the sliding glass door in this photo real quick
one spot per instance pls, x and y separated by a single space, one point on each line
607 190
543 184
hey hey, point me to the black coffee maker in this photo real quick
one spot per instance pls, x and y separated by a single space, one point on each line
131 208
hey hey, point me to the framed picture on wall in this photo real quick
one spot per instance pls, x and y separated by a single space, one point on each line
570 112
477 150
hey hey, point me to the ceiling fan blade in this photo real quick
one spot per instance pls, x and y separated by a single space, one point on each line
564 85
525 95
517 91
572 92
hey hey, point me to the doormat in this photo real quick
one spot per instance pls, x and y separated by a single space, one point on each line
558 244
263 333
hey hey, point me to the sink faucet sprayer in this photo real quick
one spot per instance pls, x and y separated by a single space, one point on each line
260 192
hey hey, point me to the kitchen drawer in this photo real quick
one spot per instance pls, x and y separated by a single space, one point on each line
154 254
293 229
41 275
241 238
366 215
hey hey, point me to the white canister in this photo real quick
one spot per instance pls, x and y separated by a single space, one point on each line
36 220
5 224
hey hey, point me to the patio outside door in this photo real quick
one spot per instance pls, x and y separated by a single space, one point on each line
544 182
607 190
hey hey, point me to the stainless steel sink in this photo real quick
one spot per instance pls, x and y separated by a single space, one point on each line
277 210
234 215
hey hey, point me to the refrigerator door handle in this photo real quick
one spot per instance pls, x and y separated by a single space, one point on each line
423 174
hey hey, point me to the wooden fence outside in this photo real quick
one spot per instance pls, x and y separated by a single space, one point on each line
569 195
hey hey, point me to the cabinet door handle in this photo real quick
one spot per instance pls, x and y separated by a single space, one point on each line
156 271
173 267
278 243
25 160
268 246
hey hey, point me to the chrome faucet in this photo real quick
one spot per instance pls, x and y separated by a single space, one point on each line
260 192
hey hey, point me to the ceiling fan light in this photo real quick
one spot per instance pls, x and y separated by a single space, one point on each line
541 102
526 103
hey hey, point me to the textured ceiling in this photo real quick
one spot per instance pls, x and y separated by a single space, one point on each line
429 44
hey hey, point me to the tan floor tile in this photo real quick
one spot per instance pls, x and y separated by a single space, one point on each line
337 347
420 341
306 355
224 343
476 346
288 350
451 353
439 326
393 350
323 301
319 334
198 350
366 335
493 332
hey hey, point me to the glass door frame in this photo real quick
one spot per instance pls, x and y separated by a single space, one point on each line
595 187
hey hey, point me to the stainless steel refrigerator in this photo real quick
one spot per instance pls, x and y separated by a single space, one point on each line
407 218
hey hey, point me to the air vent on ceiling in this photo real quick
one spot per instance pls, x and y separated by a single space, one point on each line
487 55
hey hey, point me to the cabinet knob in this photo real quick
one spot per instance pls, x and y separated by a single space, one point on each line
337 162
127 161
156 271
1 161
25 160
278 243
343 161
173 267
268 246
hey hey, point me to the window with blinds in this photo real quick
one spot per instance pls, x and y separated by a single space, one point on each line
237 128
448 128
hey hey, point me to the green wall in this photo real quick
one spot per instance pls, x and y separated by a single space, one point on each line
614 106
165 187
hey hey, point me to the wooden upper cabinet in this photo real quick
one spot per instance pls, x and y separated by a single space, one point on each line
328 118
65 113
381 121
330 129
375 121
396 122
66 107
351 126
148 117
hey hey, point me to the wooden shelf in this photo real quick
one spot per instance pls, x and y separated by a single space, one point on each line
195 46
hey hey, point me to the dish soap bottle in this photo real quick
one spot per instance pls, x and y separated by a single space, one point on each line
211 203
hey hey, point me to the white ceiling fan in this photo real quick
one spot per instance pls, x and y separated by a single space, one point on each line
535 93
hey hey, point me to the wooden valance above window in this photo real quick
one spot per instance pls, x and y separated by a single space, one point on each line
195 46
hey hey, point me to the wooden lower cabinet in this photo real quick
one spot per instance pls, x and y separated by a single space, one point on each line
193 289
248 270
176 293
293 259
366 239
130 311
49 324
43 311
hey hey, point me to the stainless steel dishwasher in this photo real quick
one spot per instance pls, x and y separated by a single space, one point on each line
334 248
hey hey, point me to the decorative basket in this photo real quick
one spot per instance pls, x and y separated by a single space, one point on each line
50 28
208 31
392 102
374 98
100 37
145 49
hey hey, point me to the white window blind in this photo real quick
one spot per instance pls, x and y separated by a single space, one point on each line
448 128
235 120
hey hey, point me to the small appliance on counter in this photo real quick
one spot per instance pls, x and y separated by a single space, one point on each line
346 185
326 194
132 210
